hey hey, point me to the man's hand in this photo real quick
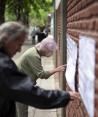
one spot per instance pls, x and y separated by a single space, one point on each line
74 95
60 68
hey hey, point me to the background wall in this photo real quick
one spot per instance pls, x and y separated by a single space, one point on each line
82 18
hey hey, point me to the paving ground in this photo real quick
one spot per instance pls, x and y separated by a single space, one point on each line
47 84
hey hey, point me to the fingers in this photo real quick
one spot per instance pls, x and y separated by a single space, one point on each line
77 95
74 95
61 68
63 65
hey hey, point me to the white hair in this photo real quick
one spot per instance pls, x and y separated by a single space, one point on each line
49 43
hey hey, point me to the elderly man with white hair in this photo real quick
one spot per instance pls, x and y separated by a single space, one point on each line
30 63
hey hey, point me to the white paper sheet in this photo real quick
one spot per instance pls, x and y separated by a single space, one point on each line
71 62
57 3
87 72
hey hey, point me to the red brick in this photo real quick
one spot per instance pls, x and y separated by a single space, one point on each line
72 4
89 12
96 70
80 5
96 87
96 56
96 113
82 18
96 24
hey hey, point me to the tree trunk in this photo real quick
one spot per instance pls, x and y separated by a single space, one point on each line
2 11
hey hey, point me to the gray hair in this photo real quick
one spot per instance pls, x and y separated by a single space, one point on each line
10 31
49 43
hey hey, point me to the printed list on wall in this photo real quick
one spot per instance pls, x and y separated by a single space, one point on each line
87 72
71 62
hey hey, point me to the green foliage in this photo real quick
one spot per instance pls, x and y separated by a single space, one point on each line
40 10
9 15
35 11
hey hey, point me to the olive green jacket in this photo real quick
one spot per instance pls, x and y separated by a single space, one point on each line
30 63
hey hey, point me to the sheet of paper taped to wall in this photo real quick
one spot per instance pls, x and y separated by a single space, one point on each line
87 72
71 62
57 3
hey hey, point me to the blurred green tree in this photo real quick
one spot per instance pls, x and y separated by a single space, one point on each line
33 12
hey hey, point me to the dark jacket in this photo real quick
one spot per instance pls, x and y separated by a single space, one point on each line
40 35
17 86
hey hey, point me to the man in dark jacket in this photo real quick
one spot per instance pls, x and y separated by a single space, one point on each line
17 86
40 34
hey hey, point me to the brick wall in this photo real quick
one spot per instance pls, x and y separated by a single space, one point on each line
82 18
59 42
58 37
